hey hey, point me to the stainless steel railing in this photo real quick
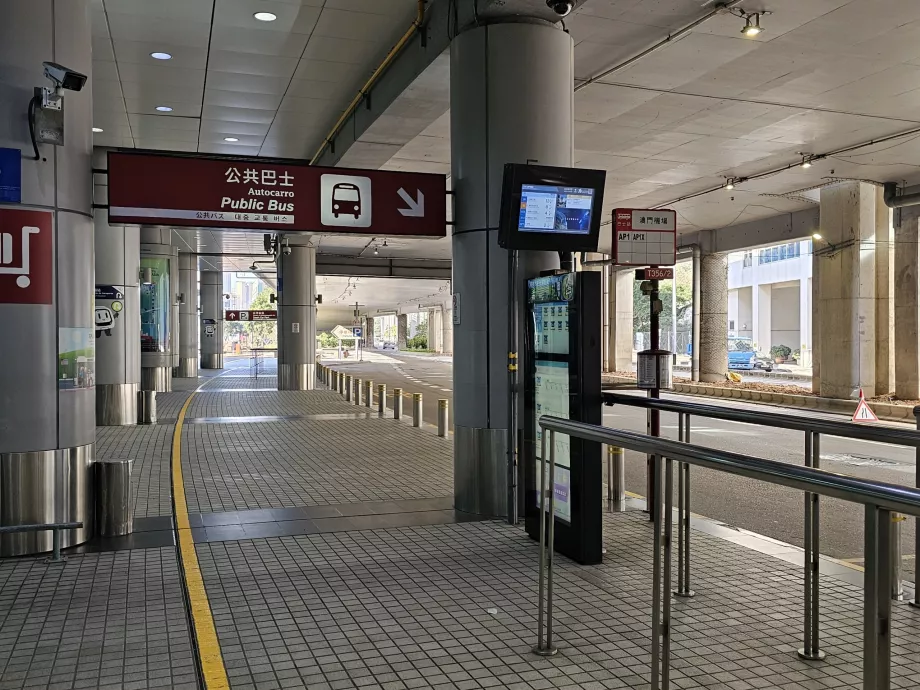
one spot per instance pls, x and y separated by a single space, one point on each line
813 427
880 500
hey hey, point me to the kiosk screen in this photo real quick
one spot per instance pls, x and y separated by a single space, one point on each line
555 209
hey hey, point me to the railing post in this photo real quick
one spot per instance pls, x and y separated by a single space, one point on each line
397 403
55 546
442 417
368 393
876 600
416 409
916 600
897 585
683 513
812 648
666 586
381 399
543 648
655 505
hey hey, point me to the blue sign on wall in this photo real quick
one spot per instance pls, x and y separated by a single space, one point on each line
10 176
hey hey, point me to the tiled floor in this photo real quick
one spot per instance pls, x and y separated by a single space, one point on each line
331 559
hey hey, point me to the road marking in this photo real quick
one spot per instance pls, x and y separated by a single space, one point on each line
212 662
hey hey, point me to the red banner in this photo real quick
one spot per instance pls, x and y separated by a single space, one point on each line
228 193
251 315
26 257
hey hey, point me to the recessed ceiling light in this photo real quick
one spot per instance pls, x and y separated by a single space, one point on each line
96 130
164 108
161 56
230 139
265 16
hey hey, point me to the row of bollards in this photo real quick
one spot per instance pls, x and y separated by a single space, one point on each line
361 392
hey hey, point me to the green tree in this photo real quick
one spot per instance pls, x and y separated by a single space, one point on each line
262 333
327 340
641 311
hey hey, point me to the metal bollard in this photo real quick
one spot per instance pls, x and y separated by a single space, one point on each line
357 384
369 394
347 388
616 479
897 585
381 399
397 403
146 407
333 381
416 409
442 417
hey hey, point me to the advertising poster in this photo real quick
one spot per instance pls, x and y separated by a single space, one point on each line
76 358
155 306
109 305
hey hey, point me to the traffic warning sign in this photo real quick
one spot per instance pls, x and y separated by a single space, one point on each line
863 412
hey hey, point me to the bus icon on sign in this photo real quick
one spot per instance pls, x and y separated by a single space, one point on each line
346 199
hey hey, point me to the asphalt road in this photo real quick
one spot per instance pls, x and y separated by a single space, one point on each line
764 508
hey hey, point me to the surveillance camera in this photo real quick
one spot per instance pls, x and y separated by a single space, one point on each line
561 7
63 77
287 250
253 267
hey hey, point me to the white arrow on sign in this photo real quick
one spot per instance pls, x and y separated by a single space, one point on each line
416 208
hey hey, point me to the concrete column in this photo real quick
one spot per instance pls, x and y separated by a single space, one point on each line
884 297
297 316
118 319
620 336
369 332
713 317
907 302
512 101
762 317
48 377
402 331
447 326
159 315
805 321
844 273
188 316
212 320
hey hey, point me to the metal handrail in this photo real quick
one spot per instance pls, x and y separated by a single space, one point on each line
880 499
831 427
813 427
54 527
895 497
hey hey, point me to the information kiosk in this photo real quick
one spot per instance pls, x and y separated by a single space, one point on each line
562 378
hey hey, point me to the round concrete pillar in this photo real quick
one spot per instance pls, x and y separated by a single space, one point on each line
713 317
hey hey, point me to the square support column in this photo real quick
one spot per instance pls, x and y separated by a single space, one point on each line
907 302
620 313
844 264
713 308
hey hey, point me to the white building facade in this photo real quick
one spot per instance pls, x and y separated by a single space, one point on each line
770 297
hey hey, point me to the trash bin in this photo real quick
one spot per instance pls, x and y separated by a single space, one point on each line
114 504
147 407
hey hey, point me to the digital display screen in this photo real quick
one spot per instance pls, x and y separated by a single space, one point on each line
550 300
553 209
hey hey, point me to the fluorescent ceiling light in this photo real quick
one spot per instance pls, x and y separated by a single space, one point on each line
96 130
265 16
161 56
164 108
230 139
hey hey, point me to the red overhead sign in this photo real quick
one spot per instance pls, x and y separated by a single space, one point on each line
251 315
26 257
293 197
656 273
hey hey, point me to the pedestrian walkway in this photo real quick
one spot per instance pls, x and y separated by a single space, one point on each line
328 556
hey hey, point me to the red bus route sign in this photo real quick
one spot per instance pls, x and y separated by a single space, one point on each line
245 315
224 192
655 273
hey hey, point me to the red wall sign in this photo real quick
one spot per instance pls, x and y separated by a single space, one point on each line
656 273
251 315
26 257
228 193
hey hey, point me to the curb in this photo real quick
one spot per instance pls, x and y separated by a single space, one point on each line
884 411
779 375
